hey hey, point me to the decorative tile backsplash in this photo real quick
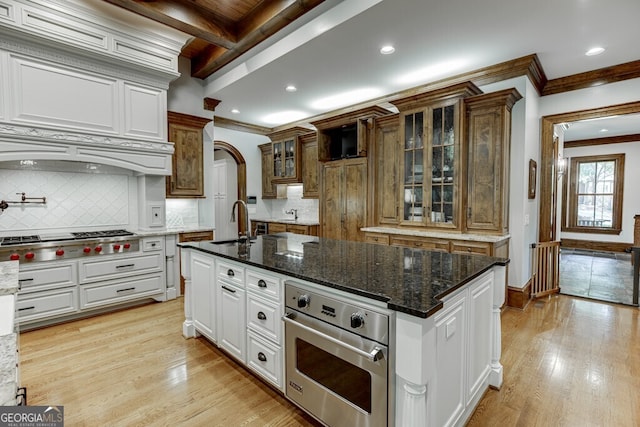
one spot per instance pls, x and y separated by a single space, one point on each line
308 209
74 200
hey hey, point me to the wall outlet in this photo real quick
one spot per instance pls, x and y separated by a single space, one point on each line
526 219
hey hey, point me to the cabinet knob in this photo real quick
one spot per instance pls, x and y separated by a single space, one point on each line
262 283
262 316
230 273
262 357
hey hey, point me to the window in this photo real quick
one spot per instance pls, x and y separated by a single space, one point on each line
595 194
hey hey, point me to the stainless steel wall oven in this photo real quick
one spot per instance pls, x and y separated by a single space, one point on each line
337 359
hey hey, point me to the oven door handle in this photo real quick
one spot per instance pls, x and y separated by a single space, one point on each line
375 354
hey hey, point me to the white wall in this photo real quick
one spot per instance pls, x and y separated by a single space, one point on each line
631 201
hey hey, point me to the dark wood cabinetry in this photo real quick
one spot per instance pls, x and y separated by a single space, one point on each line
185 132
309 155
489 141
343 209
285 150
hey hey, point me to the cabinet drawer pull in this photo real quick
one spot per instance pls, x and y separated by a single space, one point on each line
262 283
262 316
125 266
262 357
125 290
233 291
230 273
25 280
27 308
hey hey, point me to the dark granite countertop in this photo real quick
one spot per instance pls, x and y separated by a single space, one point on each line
409 280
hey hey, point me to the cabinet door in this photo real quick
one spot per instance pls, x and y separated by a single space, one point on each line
286 161
489 134
355 202
412 192
203 294
310 188
268 187
185 132
332 200
450 359
444 166
276 227
231 320
480 310
386 172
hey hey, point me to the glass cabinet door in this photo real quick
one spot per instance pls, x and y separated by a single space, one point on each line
277 159
443 147
413 167
284 159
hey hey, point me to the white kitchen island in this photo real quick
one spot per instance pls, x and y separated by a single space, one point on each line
444 313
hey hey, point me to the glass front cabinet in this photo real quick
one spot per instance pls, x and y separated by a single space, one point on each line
430 137
286 161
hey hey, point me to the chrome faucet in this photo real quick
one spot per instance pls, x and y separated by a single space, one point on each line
293 212
246 216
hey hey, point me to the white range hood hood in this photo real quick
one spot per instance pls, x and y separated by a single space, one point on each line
81 81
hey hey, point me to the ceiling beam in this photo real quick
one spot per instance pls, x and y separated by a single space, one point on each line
256 27
186 17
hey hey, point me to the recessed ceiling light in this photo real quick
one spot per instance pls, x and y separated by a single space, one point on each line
387 50
291 88
594 51
235 111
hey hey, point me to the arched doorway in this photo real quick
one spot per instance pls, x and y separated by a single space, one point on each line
241 172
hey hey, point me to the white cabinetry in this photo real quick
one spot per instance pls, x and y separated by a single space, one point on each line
458 354
265 331
451 331
47 290
237 307
203 295
231 309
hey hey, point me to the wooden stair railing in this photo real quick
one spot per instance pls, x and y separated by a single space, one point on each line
546 269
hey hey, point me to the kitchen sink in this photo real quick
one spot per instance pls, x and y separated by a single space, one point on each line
231 242
286 220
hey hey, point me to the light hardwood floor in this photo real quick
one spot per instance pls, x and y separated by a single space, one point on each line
567 362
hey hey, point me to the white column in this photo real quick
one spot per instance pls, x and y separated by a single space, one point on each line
188 328
500 277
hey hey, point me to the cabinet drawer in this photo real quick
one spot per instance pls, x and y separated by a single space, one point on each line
420 243
298 229
264 317
276 227
49 276
40 305
265 359
231 273
196 236
263 285
476 248
150 244
380 239
108 293
92 271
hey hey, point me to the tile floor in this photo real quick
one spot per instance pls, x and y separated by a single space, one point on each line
604 276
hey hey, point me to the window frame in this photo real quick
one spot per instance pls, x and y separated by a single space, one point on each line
570 208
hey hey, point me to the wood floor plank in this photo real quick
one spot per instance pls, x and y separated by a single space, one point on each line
567 362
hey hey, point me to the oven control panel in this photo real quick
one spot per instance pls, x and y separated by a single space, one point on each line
348 315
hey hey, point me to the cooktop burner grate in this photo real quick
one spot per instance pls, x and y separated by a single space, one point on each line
17 240
103 233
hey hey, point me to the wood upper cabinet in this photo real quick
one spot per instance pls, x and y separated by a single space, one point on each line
287 163
269 190
343 204
309 155
386 160
431 152
185 132
489 140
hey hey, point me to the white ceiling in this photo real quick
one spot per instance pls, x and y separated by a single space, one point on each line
426 34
